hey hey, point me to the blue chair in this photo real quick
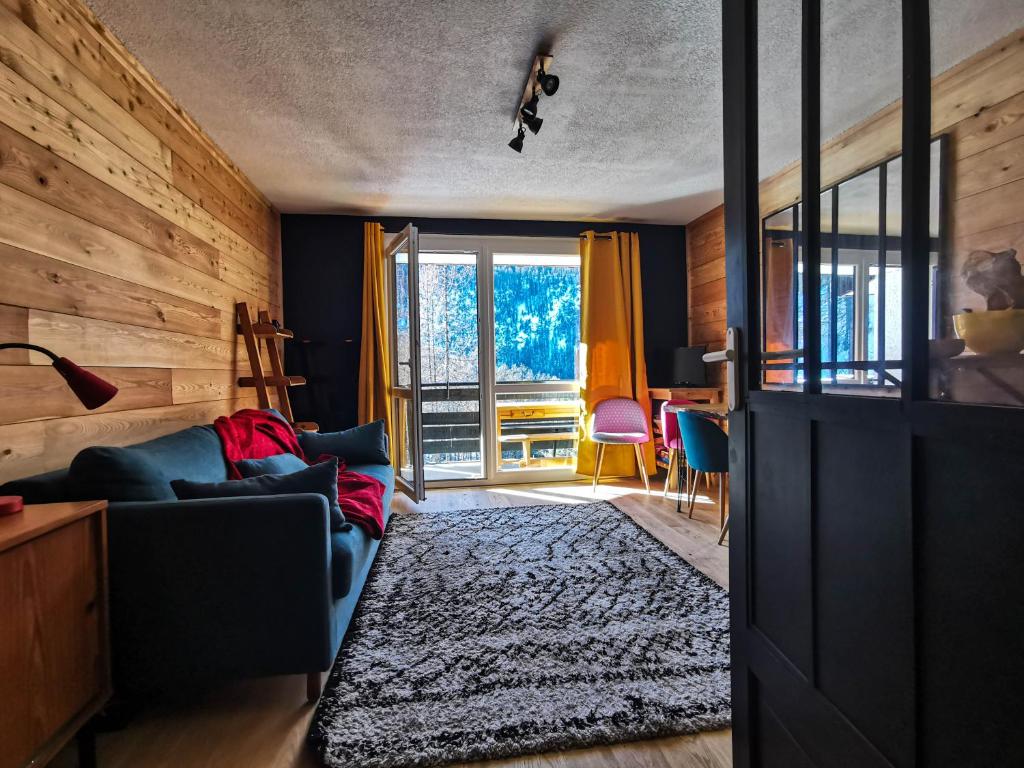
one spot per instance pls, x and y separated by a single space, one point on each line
707 450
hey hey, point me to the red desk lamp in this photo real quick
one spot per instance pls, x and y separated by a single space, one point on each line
89 388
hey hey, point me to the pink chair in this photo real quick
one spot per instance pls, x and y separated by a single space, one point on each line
674 442
620 421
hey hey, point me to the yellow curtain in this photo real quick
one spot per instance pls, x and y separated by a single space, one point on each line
612 339
374 355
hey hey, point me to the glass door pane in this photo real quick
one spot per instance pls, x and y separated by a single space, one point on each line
976 257
536 350
450 366
779 172
782 300
402 257
861 139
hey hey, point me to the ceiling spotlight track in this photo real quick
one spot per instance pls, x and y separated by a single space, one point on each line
537 82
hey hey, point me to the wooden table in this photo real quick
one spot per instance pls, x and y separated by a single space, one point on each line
716 410
55 660
697 394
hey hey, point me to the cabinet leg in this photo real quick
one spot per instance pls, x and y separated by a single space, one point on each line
313 686
87 746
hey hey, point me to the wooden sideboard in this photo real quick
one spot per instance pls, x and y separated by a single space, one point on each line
54 650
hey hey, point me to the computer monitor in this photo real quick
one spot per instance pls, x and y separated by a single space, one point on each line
688 369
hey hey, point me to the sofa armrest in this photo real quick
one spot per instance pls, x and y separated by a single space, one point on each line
219 588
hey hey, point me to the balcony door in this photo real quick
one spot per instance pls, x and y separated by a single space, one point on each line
402 256
495 348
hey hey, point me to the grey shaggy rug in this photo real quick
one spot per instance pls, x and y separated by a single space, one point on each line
495 632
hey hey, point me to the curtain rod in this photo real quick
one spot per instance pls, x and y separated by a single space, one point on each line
598 236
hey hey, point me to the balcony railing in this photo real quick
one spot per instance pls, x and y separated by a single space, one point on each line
531 431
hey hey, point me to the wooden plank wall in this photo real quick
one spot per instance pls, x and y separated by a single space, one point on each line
979 103
126 237
705 280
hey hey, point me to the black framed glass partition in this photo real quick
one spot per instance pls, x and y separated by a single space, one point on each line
859 296
854 641
967 286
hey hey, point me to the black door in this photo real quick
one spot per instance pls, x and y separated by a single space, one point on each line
874 194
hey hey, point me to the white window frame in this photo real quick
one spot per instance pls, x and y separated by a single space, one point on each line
486 246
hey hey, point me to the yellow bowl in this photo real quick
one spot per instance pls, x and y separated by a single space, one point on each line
999 331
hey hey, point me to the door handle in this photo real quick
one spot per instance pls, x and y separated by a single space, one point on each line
729 356
722 356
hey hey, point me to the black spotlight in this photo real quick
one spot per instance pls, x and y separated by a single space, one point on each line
517 142
531 121
548 83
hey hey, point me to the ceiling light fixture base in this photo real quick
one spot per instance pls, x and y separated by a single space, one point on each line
541 62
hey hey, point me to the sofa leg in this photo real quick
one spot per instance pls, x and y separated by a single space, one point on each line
313 686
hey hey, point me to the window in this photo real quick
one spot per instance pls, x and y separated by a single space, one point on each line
536 317
536 352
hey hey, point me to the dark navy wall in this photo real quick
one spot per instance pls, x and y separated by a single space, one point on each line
322 270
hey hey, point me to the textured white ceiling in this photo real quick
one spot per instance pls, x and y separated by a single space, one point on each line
404 108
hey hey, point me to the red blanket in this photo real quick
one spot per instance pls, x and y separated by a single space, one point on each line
253 434
361 498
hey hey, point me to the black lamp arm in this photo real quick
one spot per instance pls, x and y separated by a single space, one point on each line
33 347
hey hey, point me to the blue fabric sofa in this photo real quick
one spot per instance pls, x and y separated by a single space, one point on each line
214 588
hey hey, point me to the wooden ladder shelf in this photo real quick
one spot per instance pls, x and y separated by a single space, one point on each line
269 331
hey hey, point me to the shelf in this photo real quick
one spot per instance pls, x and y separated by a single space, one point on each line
273 381
269 331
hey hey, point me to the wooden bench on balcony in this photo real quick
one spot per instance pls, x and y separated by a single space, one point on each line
539 421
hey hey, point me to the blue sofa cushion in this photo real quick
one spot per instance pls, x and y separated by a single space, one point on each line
345 548
320 478
46 488
144 472
366 444
282 464
351 549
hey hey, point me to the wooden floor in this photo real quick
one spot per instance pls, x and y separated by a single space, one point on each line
263 723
